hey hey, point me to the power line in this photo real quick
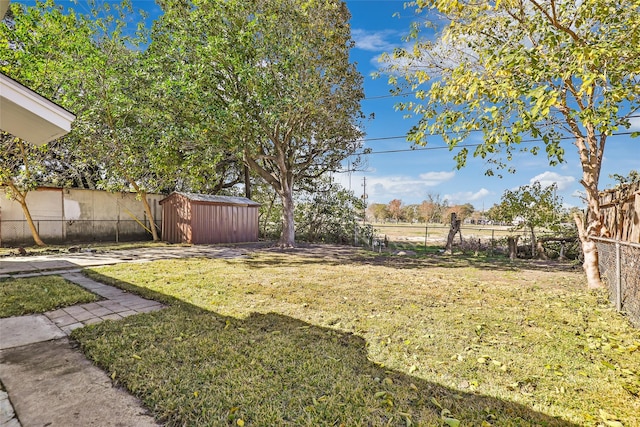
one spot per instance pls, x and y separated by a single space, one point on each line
386 138
393 95
441 147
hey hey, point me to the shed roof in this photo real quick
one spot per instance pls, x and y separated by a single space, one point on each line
214 199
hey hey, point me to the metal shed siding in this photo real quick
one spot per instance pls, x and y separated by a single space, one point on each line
219 223
194 219
176 222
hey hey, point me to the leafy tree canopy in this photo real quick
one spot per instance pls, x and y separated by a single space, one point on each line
530 206
270 80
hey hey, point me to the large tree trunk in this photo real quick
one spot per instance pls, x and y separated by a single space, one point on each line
147 209
591 151
152 220
21 197
590 253
282 183
455 229
287 239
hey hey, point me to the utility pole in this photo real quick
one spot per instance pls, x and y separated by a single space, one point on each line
364 185
364 198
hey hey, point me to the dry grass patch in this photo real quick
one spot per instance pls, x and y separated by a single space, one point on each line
526 334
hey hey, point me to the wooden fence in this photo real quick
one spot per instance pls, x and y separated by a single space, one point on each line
620 208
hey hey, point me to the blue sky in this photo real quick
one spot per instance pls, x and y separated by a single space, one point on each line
411 175
393 171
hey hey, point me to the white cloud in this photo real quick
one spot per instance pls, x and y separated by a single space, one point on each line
383 189
435 178
548 178
433 58
466 196
579 194
374 41
635 124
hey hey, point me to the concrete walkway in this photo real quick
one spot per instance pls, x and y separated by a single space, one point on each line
49 264
48 382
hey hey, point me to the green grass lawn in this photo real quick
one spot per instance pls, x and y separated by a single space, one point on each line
352 339
39 294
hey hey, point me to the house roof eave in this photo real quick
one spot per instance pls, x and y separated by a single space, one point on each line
30 116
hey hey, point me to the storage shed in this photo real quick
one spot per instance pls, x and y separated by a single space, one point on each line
203 219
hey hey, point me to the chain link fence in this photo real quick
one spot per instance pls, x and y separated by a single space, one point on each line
17 232
619 263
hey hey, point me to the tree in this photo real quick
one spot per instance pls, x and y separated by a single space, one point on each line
17 162
379 211
271 80
117 121
432 209
454 228
39 51
531 206
410 213
522 69
91 64
327 213
395 209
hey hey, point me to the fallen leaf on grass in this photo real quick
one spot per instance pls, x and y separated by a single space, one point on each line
451 422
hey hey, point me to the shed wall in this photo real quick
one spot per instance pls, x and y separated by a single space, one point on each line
176 215
219 223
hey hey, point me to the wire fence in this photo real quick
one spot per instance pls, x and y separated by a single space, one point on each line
477 238
17 232
619 263
434 233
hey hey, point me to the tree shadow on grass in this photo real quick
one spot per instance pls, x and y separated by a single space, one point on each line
195 367
341 255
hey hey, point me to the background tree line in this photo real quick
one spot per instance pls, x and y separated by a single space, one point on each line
434 210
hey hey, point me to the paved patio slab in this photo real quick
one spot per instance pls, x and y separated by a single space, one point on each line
52 384
23 330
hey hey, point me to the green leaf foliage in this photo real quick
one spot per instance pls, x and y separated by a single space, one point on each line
522 68
268 81
530 206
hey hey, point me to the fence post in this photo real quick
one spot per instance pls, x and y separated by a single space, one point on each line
355 233
426 235
493 241
618 278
